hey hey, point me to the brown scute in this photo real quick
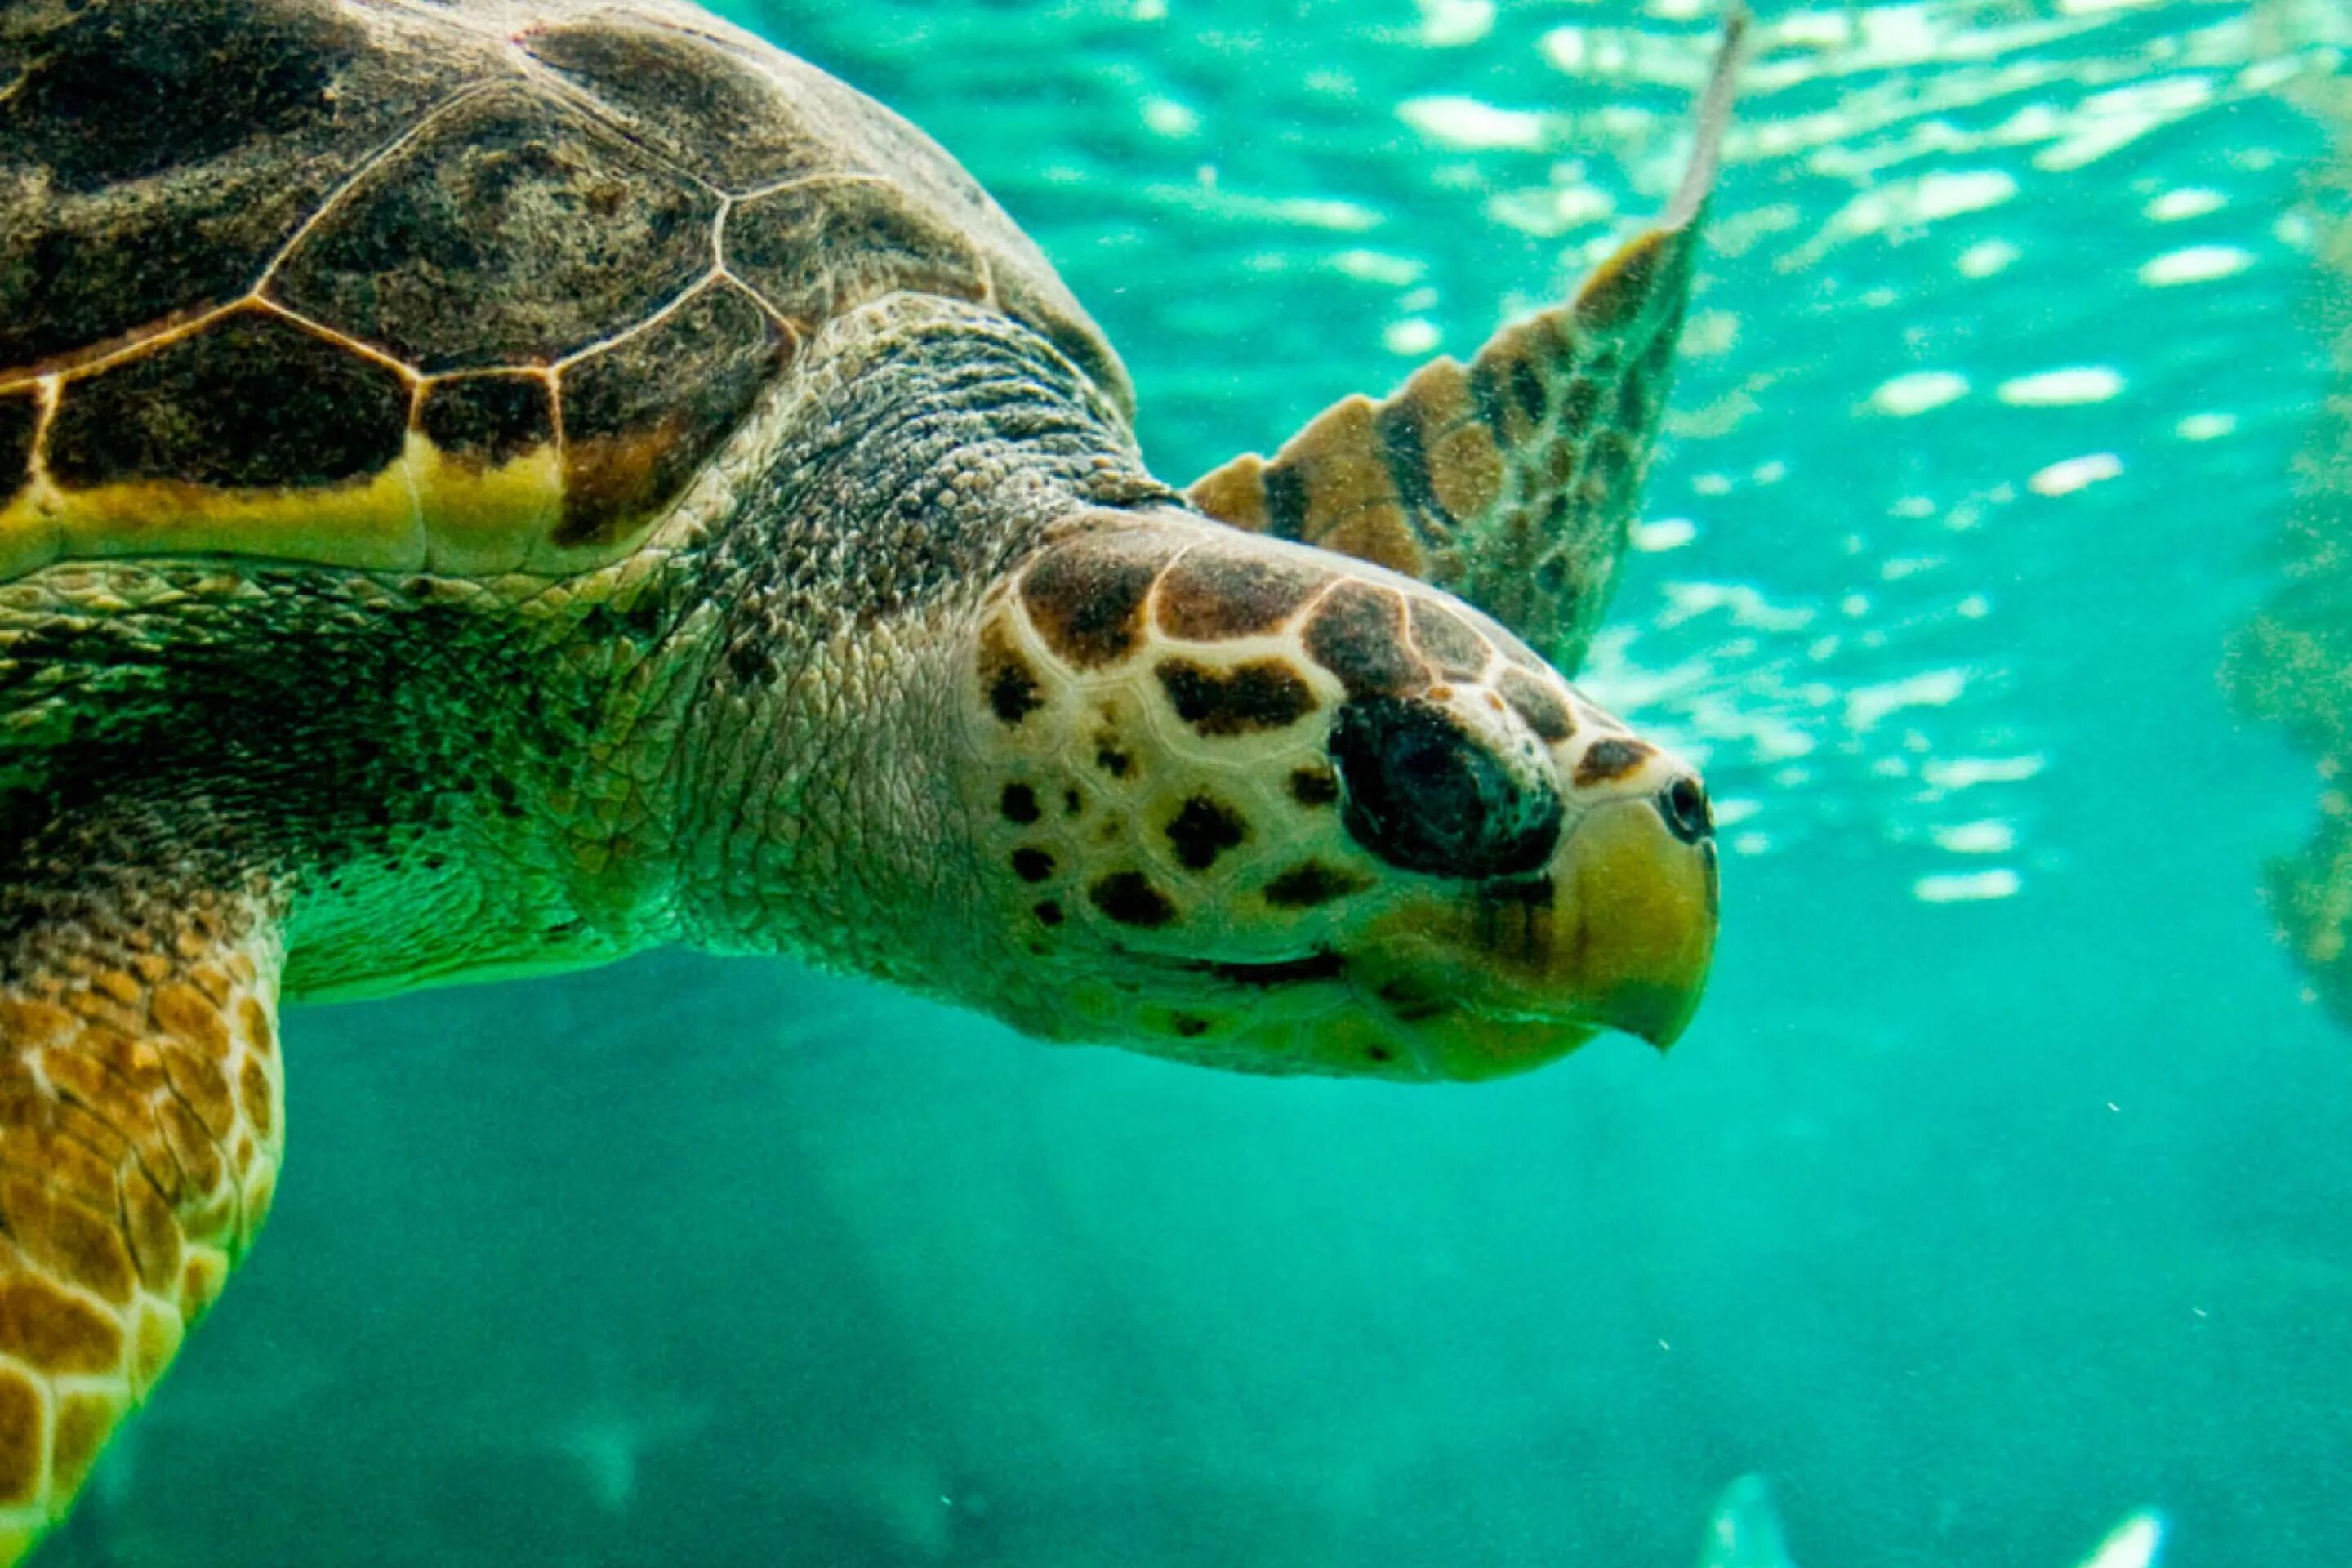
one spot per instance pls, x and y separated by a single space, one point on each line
822 249
252 401
22 1438
1209 596
20 422
1085 597
747 117
642 417
696 101
1005 677
153 157
1263 694
122 93
1313 787
1447 640
485 420
54 1331
74 276
1535 701
1032 865
1311 884
69 1239
254 1098
1358 634
186 1014
1128 898
512 231
1611 757
1018 803
1203 830
83 1422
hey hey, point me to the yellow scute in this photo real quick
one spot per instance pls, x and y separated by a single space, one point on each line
482 520
426 511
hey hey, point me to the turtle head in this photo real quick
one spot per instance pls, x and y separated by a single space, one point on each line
1255 804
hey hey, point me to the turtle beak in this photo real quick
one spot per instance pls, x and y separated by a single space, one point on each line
1616 932
1643 904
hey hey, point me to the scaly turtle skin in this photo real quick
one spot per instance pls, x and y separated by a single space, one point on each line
490 488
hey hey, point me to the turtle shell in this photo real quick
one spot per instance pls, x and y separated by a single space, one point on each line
411 285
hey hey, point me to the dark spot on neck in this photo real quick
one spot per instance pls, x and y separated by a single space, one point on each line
1310 884
1111 760
1203 830
1188 1026
1048 913
1006 678
1410 1003
1324 964
1128 898
1019 803
1032 865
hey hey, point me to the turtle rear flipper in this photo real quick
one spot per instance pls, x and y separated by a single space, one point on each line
1512 482
141 1121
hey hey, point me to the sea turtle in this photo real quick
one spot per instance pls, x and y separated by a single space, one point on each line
490 488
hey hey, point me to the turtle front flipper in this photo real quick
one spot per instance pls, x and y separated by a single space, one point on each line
1512 482
141 1121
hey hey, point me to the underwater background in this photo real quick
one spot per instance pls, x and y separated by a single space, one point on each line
1998 568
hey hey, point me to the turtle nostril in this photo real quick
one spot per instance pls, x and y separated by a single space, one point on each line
1684 805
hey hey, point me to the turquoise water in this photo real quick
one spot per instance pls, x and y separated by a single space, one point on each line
2005 1184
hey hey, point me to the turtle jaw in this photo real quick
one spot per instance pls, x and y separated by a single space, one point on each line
1455 983
1469 981
1618 932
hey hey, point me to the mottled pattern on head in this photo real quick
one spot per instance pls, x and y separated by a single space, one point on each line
1162 718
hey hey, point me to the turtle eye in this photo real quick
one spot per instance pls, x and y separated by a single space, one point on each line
1424 796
